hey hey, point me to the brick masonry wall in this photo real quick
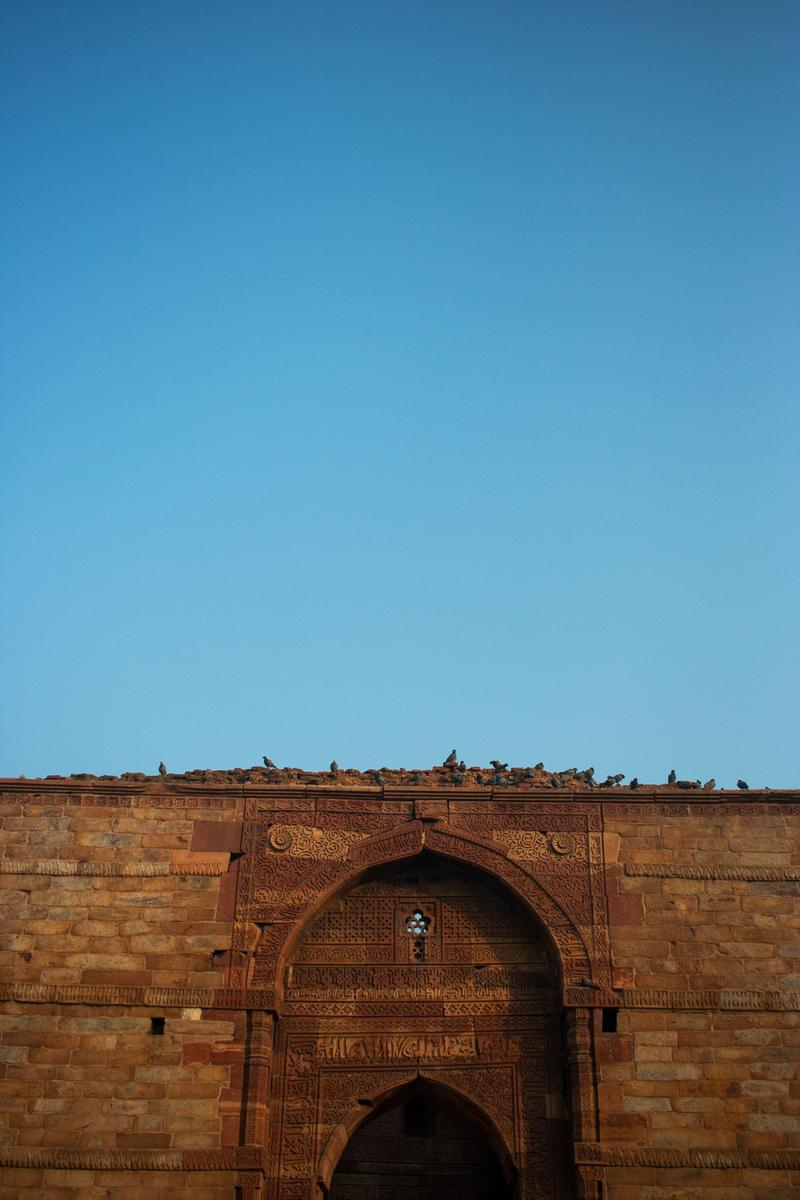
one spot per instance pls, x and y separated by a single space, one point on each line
104 929
96 1079
719 1079
132 892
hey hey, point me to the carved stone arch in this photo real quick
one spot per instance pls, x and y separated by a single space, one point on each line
568 950
355 1019
368 1107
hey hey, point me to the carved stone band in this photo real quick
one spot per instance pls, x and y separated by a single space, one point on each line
60 866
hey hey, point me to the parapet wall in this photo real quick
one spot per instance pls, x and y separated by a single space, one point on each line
125 904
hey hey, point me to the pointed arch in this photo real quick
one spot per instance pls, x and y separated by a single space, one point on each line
567 947
372 1106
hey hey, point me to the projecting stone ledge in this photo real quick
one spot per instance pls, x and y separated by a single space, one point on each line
455 775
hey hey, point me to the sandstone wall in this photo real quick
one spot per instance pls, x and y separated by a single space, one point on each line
118 911
100 1080
704 909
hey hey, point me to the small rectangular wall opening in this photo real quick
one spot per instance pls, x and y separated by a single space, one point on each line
157 1025
609 1024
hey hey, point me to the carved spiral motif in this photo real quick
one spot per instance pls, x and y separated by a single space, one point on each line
279 839
561 843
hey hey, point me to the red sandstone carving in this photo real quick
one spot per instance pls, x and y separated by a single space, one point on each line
332 1002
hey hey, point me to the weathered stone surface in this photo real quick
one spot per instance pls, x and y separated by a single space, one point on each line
617 970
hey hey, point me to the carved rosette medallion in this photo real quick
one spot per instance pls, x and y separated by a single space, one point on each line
279 838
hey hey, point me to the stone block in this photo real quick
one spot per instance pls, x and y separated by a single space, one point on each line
217 836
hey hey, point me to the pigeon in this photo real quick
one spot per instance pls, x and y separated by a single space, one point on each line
634 783
709 785
379 779
451 759
742 786
498 766
268 763
587 982
687 784
618 778
334 767
162 770
671 778
539 767
456 777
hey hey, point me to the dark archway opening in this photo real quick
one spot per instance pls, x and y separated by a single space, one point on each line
421 1146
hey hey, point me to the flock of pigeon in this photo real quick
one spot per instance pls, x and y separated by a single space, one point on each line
501 776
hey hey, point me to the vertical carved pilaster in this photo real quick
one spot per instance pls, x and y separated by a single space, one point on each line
590 1181
582 1074
257 1076
249 1185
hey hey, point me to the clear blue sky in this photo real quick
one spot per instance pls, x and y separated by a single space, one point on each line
385 377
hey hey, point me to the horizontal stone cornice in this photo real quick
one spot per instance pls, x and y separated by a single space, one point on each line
244 999
186 792
263 999
248 1158
60 866
724 999
698 871
597 1154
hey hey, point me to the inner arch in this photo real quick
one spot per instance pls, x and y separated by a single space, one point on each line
433 912
423 1142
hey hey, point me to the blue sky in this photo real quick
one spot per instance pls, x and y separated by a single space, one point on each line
379 378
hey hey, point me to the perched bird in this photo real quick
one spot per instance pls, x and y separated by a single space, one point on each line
687 784
162 770
334 767
634 783
456 777
587 982
416 777
451 759
268 763
498 766
742 786
671 778
379 779
618 778
709 785
539 767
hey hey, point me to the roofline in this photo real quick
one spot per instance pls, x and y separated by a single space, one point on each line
348 785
